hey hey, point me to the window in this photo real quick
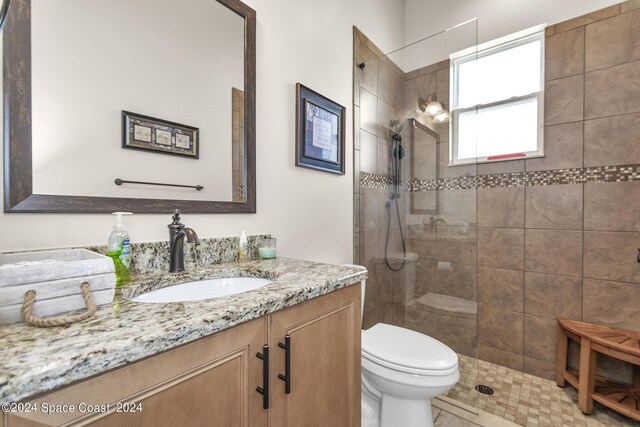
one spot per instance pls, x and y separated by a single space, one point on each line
498 101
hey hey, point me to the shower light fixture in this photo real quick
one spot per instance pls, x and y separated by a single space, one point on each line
442 117
432 107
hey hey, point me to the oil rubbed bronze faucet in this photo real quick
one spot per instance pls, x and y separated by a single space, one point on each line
177 233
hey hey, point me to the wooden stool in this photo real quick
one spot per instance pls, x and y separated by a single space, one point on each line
617 343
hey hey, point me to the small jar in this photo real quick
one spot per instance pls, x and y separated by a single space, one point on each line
267 248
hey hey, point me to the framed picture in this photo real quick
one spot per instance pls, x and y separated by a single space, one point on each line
319 132
148 133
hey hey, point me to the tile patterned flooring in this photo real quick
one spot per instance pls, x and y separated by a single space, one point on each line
525 399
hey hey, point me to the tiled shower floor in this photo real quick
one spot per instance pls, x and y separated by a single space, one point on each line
527 400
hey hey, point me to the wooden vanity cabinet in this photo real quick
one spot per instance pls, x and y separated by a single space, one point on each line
212 382
324 360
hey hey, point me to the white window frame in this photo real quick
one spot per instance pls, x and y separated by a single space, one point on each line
487 49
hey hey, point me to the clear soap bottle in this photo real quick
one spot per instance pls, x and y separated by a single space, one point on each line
119 250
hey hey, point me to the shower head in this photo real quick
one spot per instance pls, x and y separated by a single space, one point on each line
398 125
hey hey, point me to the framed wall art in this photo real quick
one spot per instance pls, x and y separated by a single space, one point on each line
319 132
161 136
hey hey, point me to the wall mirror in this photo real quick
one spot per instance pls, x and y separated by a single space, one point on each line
142 106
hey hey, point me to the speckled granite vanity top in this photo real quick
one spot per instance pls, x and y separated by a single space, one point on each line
35 360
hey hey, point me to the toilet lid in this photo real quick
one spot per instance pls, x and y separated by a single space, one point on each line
406 348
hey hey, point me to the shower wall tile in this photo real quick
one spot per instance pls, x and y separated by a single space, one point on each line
501 207
501 330
564 100
564 54
553 296
356 89
540 338
356 250
423 162
356 169
457 280
372 240
611 256
612 303
612 91
398 91
442 86
540 369
554 207
425 278
369 75
612 206
562 148
499 288
368 111
612 141
368 152
457 208
443 132
422 241
629 5
386 113
501 248
510 360
550 30
589 18
456 245
356 129
554 252
386 84
423 202
500 167
423 138
356 216
613 41
384 157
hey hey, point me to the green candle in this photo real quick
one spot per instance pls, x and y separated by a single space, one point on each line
267 252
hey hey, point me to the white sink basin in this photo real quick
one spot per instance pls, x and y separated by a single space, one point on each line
202 289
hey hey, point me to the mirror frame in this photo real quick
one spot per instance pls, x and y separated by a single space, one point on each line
18 178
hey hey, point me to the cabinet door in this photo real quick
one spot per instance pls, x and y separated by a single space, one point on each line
210 382
324 362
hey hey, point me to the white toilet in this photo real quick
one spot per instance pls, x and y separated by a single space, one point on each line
402 370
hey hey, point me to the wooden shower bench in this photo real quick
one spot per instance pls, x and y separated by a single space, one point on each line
617 343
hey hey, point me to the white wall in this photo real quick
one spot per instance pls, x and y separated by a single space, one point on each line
310 212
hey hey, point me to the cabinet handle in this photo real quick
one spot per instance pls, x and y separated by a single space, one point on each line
264 390
287 364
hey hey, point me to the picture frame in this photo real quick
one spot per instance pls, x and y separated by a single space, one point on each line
319 132
147 133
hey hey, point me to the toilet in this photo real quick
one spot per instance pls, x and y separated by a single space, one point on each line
402 370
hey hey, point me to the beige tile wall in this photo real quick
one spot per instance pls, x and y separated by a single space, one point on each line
531 254
568 250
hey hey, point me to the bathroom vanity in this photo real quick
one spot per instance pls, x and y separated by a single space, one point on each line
287 353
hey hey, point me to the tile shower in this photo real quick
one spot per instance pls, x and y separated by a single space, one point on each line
498 251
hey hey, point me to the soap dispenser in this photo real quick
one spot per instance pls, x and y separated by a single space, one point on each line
119 250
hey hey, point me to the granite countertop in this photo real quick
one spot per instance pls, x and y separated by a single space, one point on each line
36 360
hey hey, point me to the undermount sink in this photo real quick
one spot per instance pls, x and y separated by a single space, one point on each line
202 290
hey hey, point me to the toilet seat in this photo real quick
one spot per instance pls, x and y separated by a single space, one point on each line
407 351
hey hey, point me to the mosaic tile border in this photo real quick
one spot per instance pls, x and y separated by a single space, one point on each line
588 175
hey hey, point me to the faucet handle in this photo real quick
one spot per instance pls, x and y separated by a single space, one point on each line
176 220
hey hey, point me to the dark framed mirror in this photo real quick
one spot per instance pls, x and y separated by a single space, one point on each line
66 138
